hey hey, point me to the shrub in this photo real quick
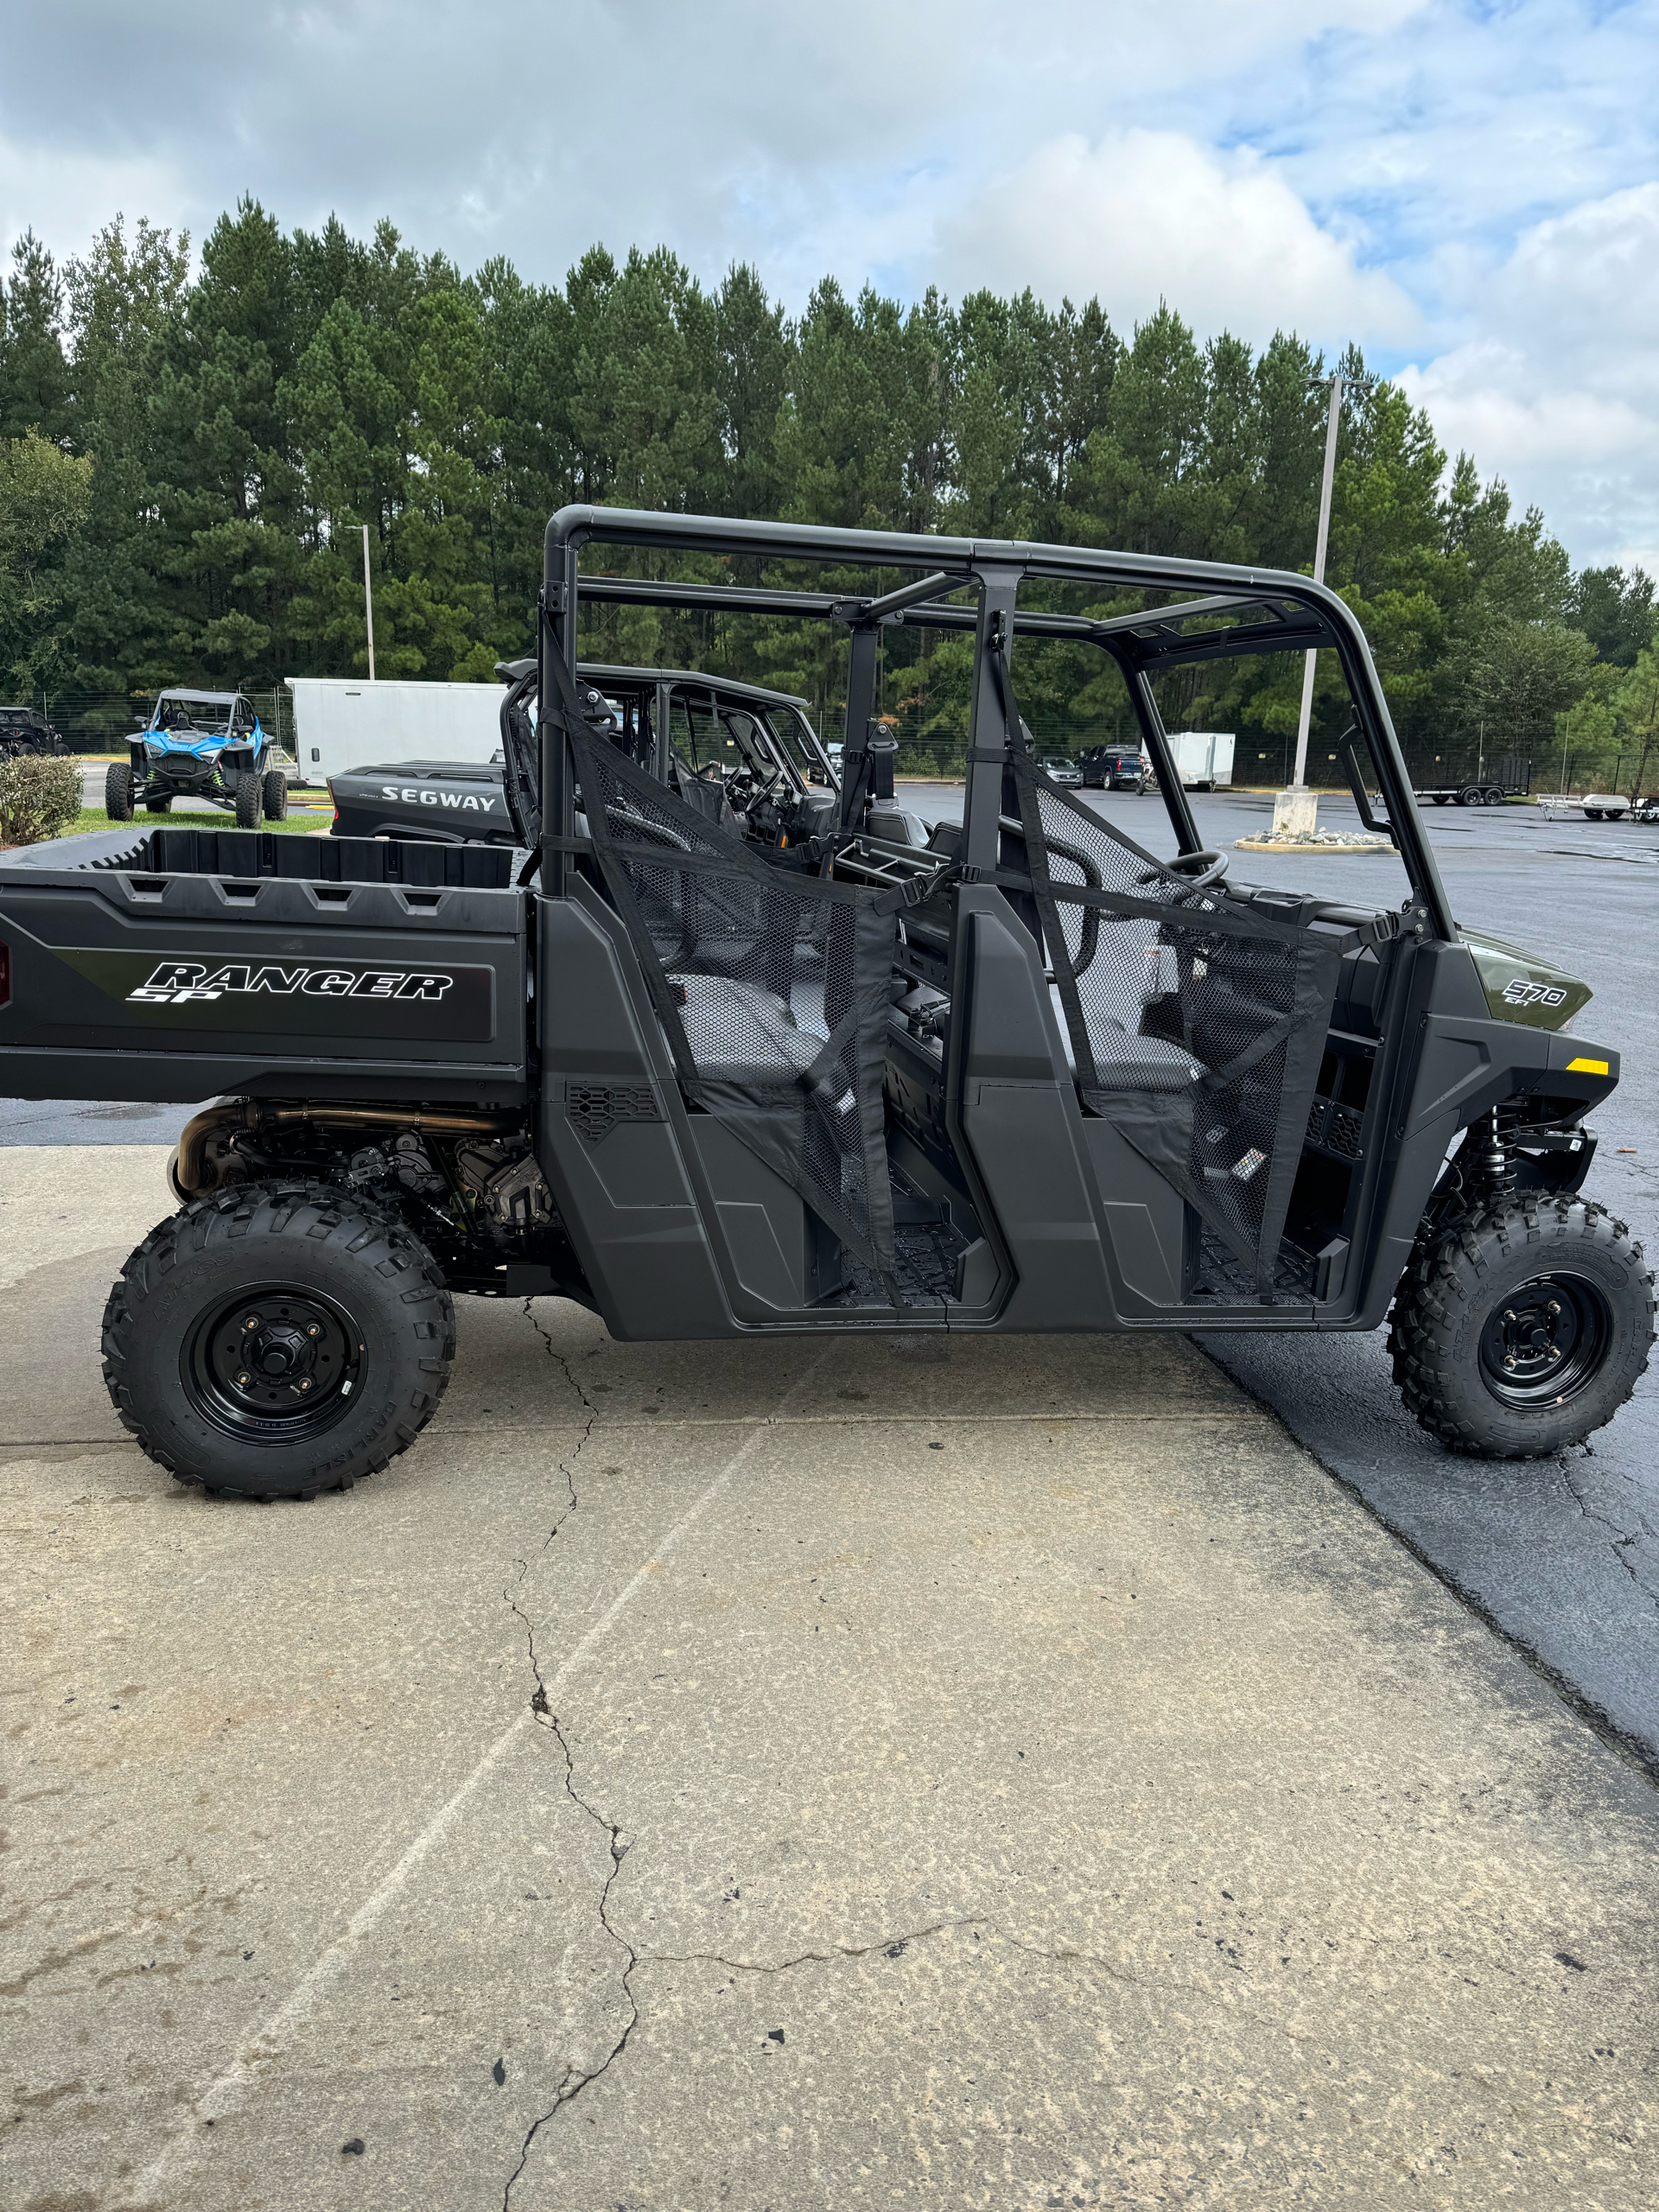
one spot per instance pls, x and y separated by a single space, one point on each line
38 799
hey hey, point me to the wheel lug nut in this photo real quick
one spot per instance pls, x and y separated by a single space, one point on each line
305 1386
312 1331
241 1378
1508 1312
1554 1351
1554 1306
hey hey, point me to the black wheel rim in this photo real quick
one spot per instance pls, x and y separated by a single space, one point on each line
1546 1341
275 1364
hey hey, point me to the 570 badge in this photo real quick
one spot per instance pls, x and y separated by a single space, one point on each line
178 983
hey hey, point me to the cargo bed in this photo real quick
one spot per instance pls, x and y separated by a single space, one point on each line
175 965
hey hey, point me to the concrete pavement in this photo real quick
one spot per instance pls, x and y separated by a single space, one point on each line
900 1770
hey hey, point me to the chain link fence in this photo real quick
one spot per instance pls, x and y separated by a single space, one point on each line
92 722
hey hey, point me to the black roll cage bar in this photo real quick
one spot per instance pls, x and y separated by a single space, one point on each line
1285 612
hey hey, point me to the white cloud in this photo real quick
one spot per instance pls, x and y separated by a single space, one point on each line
1558 390
1143 215
1467 186
66 194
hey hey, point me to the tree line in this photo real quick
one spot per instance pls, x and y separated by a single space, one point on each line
189 453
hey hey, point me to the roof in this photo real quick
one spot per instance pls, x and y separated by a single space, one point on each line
514 672
199 698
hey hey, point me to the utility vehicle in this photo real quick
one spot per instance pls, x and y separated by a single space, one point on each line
745 736
26 734
1017 1072
206 747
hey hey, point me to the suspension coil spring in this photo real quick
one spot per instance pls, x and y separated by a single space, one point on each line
1497 1163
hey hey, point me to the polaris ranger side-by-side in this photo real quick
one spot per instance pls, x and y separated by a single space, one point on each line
1015 1073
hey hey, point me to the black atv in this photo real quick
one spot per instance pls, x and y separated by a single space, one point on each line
205 748
712 1077
26 734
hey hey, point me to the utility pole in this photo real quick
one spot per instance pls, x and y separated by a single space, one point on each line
368 600
1295 811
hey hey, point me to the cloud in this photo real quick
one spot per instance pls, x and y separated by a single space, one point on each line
66 194
1466 189
1144 215
1558 390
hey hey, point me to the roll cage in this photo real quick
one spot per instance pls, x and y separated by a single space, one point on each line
1231 611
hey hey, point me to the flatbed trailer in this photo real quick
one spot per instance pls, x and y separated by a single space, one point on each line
1012 1074
1487 783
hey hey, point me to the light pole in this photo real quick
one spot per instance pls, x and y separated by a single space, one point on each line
1295 811
368 602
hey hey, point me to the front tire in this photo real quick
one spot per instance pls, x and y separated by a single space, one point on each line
279 1339
247 797
118 792
1523 1331
274 796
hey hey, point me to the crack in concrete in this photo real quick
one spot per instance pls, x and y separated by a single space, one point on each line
574 2080
891 1944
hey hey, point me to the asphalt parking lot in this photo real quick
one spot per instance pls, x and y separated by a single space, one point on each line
1013 1774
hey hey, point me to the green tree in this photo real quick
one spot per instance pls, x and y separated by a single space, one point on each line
33 372
1520 676
45 494
1637 705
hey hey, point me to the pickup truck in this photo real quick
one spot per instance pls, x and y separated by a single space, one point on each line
721 1063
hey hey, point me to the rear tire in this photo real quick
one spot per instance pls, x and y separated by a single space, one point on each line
1523 1331
354 1327
1470 797
274 796
247 802
159 805
118 792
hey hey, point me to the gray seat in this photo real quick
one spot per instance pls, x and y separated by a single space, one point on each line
741 1035
1126 1062
1123 1062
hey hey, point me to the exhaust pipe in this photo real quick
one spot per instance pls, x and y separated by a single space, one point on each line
195 1156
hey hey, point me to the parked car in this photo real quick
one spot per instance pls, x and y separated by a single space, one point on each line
25 734
1116 768
205 747
1059 770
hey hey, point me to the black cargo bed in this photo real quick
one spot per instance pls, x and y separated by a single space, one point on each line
174 964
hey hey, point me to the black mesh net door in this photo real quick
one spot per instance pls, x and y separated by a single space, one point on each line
772 989
1196 1021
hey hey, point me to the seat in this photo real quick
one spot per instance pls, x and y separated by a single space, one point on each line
741 1035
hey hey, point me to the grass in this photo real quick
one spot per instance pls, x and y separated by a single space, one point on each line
93 817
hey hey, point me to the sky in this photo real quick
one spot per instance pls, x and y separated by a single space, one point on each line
1469 188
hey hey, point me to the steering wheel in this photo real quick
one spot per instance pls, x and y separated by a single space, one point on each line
1202 869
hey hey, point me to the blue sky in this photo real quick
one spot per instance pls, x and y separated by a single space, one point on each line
1471 191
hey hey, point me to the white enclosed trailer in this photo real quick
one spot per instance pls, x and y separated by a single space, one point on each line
342 722
1203 758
